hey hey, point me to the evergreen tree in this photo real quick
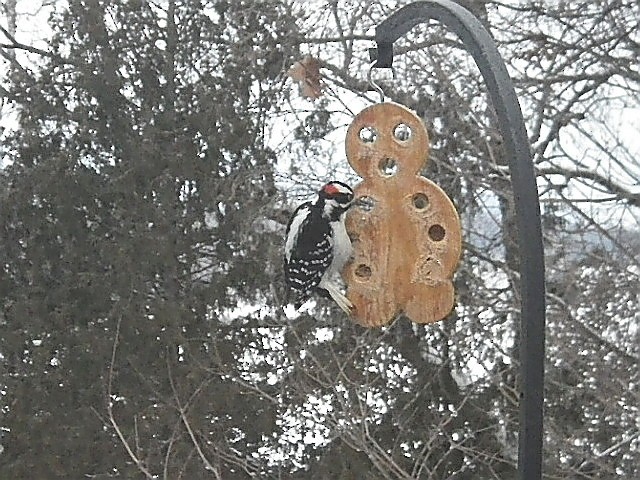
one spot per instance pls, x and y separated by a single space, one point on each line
129 219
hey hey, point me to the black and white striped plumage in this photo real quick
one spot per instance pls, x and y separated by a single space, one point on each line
317 245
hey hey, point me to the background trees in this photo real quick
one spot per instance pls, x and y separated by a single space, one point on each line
154 154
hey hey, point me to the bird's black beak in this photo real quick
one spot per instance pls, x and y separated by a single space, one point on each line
347 200
351 201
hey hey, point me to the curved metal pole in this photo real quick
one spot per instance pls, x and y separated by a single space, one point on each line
505 102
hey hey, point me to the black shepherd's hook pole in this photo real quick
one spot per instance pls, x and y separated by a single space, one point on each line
481 46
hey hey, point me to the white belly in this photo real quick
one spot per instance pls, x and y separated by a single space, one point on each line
341 246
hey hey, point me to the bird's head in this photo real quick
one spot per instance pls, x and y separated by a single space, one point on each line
335 198
339 192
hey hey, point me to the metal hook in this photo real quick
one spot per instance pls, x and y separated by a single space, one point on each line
373 84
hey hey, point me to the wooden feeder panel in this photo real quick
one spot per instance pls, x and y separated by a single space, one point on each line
405 230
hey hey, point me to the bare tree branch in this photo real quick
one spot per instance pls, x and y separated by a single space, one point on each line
631 198
139 463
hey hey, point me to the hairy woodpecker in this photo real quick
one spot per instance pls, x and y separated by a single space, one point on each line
317 245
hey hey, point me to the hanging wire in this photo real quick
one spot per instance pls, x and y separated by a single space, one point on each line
373 84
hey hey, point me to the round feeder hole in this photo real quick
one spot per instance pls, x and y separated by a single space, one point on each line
436 232
368 134
363 271
365 203
420 201
402 132
388 167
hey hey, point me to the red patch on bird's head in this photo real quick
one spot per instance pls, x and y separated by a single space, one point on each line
330 189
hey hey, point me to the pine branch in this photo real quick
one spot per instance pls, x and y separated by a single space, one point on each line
16 45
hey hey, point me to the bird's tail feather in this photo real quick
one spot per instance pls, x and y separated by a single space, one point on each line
343 302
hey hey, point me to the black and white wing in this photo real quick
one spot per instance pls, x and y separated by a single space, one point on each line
308 250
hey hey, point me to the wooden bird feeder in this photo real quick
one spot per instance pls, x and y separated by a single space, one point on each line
405 230
481 46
